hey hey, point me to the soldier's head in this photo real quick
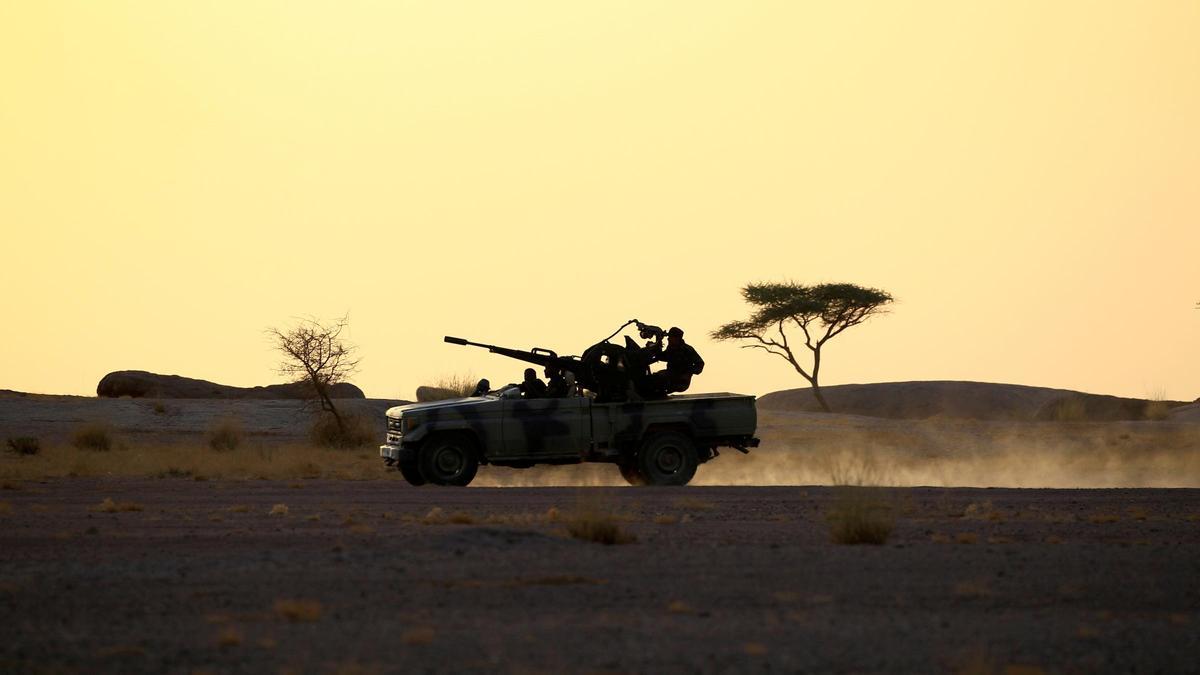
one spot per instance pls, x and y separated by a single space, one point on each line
675 335
552 371
530 374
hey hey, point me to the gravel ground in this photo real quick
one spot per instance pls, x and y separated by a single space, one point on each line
358 577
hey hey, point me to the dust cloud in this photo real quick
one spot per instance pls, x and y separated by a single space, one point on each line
813 449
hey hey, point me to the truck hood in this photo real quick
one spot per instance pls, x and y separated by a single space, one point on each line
431 405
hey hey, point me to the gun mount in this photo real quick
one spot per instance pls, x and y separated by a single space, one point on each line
614 372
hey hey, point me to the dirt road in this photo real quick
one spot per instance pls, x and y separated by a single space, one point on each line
186 576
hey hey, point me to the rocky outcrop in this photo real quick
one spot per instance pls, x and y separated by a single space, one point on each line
141 384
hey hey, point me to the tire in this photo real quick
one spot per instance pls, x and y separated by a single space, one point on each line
451 459
412 473
631 473
667 458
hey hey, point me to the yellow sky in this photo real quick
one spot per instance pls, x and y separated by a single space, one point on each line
177 176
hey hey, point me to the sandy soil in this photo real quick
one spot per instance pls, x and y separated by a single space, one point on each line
351 579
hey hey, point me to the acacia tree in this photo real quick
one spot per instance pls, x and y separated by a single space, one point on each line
820 312
314 352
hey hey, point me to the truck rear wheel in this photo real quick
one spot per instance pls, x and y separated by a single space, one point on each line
667 458
631 473
451 459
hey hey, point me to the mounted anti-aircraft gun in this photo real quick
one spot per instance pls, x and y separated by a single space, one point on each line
612 371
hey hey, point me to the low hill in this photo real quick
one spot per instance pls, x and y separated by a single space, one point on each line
969 401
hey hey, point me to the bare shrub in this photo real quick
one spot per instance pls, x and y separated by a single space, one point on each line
224 434
355 431
25 445
859 514
93 436
159 408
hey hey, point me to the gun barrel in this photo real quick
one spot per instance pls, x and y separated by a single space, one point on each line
541 357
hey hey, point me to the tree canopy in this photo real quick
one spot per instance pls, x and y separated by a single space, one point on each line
820 312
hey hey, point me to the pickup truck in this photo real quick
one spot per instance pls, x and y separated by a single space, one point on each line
652 442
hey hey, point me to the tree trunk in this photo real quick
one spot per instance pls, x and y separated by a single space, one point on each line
820 397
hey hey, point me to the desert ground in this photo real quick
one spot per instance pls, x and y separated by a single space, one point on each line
314 576
163 554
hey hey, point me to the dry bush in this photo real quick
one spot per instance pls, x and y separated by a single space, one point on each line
224 434
359 431
109 506
278 510
859 514
594 523
25 445
93 436
159 408
297 611
452 386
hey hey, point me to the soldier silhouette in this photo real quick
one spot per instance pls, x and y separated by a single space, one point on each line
482 388
532 387
557 386
682 363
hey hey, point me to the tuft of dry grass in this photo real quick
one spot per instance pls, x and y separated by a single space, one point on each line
458 385
1103 518
693 504
417 636
278 510
598 526
224 434
239 508
5 508
24 445
94 436
665 519
229 637
298 611
967 538
437 516
859 513
109 506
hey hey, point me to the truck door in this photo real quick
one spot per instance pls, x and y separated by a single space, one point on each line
546 427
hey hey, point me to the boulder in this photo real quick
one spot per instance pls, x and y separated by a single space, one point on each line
142 384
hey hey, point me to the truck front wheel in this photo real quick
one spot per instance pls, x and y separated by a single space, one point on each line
412 473
667 458
451 459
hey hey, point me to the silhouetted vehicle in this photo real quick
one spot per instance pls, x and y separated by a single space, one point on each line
659 441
